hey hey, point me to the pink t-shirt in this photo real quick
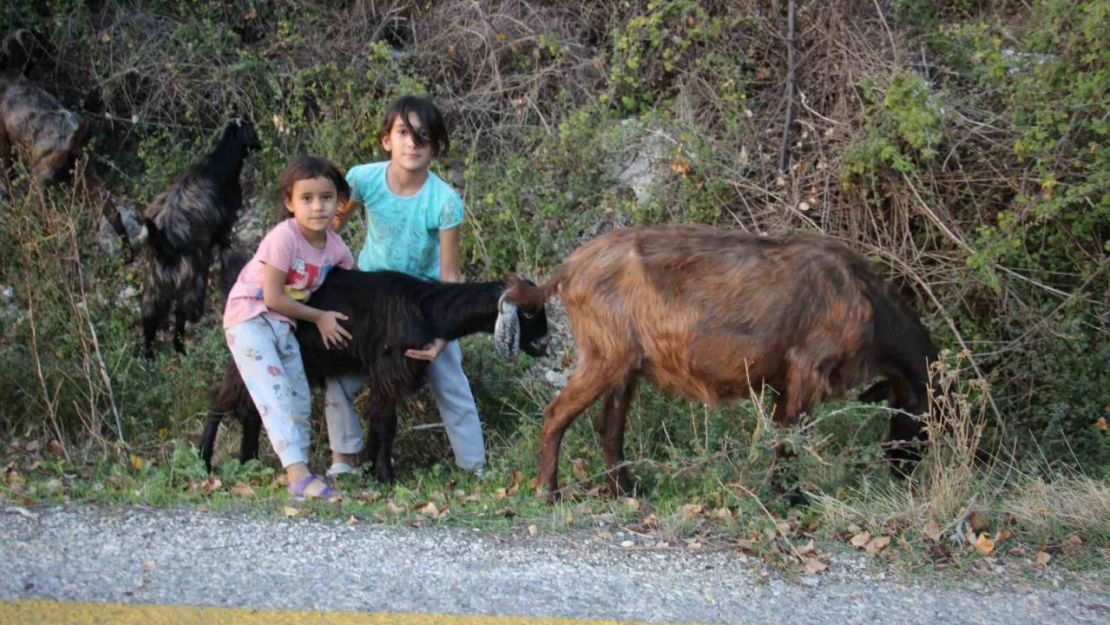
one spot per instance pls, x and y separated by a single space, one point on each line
284 248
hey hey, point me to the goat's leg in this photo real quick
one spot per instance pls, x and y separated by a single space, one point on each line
252 431
580 392
611 426
383 429
5 162
155 307
180 319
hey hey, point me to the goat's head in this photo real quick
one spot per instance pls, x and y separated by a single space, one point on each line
17 51
519 327
242 132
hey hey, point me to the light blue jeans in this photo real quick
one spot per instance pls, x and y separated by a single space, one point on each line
452 393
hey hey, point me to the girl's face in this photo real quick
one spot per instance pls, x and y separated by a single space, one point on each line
313 203
402 147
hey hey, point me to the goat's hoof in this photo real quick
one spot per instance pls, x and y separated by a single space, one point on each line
385 476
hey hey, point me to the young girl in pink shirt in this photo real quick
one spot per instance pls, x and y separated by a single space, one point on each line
267 301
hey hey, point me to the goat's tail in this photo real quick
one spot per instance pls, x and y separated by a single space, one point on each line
526 294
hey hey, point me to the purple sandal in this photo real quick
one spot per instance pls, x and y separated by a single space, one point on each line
297 488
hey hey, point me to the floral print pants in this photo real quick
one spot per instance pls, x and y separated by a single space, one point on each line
269 359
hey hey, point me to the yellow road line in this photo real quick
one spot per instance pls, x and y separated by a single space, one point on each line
64 613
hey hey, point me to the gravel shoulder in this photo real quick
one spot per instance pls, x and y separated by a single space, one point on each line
135 555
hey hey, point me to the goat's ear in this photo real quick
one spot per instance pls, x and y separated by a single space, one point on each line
506 331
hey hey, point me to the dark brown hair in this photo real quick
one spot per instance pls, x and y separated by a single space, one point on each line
307 167
432 129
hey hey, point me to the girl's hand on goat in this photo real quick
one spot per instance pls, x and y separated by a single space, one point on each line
430 351
331 331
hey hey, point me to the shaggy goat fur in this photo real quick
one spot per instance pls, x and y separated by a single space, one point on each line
713 315
388 313
182 229
36 123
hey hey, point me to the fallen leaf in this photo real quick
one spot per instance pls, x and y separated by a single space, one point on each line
533 530
392 508
680 166
632 503
148 565
978 521
604 536
136 462
290 511
859 541
334 499
430 511
437 497
242 489
932 530
570 519
1074 539
351 520
876 545
815 566
1101 423
984 544
690 511
803 206
853 529
783 527
578 465
808 549
513 490
369 496
501 493
722 514
1003 535
1043 558
651 522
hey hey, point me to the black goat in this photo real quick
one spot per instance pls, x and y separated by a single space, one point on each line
182 228
388 313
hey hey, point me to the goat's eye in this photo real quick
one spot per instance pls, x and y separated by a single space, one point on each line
528 315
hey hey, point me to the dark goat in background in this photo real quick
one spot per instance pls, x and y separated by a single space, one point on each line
714 315
388 313
182 229
51 136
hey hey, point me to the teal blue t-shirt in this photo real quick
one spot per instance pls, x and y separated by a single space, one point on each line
402 233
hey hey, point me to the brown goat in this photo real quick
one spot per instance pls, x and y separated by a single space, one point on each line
35 122
711 315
